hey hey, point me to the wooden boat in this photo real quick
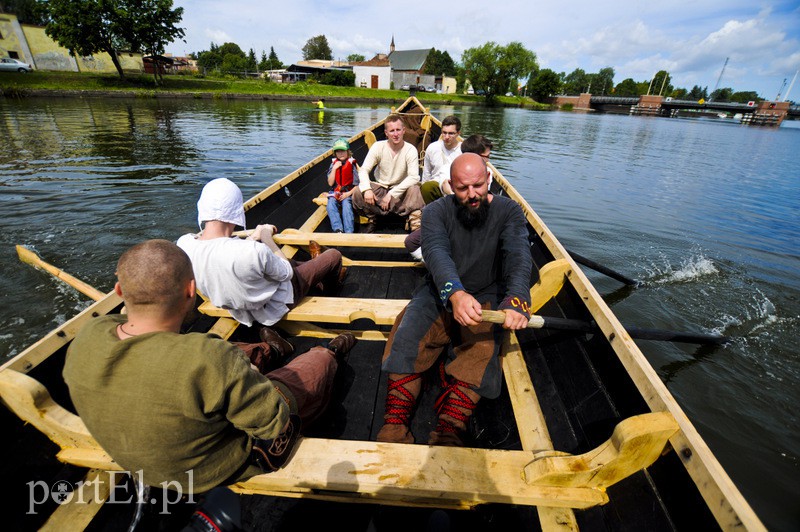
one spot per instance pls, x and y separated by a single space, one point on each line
584 432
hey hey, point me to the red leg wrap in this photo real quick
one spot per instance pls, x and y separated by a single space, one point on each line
453 403
399 409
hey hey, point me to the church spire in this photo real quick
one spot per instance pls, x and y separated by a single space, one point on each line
391 46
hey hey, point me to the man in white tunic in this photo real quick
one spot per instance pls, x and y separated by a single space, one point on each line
252 278
438 157
395 186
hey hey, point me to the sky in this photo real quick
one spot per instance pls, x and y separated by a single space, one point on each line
689 39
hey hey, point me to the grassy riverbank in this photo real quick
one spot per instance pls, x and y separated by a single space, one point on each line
13 84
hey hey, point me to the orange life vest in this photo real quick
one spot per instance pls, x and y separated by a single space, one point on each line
344 176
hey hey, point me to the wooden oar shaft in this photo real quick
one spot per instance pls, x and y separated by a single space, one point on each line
29 257
360 240
566 324
602 269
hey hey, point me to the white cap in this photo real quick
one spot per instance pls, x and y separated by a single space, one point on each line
221 200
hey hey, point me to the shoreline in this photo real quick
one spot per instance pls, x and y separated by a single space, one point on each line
26 92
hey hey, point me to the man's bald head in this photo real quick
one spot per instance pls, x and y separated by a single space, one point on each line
154 274
469 180
467 167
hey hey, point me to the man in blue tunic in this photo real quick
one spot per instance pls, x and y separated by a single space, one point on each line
478 256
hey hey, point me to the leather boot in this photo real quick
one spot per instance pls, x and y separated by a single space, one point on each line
400 401
314 249
371 224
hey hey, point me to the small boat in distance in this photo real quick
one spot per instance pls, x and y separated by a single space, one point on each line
584 432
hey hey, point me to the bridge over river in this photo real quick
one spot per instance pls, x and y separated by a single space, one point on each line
764 113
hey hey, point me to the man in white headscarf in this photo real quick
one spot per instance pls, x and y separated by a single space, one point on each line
252 278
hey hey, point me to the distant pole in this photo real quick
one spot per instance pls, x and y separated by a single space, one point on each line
785 96
663 83
778 97
719 78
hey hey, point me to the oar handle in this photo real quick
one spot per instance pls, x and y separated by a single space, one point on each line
498 316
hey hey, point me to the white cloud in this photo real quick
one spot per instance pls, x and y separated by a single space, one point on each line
217 36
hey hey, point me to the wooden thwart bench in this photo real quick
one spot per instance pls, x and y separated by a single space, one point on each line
384 311
421 475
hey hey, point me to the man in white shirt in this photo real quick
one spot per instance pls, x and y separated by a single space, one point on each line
438 157
252 278
395 186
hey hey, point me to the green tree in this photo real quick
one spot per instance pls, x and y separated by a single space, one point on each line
661 83
317 48
27 11
252 64
209 59
627 88
679 93
263 64
493 68
698 93
355 58
226 58
721 95
545 84
576 82
603 81
231 48
461 79
745 96
438 63
274 62
87 27
341 78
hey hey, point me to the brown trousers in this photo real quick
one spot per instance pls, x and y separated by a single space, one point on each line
424 329
410 201
322 271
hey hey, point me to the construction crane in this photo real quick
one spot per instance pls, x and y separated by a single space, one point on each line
713 93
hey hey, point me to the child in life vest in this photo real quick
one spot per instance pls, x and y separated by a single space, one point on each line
342 178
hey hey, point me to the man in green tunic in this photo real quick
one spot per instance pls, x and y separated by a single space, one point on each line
187 410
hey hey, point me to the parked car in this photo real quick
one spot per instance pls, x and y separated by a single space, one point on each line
13 65
429 89
405 87
480 92
418 88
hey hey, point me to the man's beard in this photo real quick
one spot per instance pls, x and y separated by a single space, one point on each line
473 218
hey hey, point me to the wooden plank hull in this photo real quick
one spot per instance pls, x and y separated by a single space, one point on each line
564 391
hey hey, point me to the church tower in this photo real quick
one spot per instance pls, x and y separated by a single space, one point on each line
391 46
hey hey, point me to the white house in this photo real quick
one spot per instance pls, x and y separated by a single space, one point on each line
374 74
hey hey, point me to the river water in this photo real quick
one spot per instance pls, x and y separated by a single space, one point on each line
704 212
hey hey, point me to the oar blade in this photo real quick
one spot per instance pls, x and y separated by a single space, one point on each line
29 257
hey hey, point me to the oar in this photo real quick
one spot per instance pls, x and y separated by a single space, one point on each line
29 257
603 269
566 324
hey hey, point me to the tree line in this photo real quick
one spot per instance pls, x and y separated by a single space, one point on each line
545 83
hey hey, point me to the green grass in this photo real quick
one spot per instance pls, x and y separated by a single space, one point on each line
16 85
